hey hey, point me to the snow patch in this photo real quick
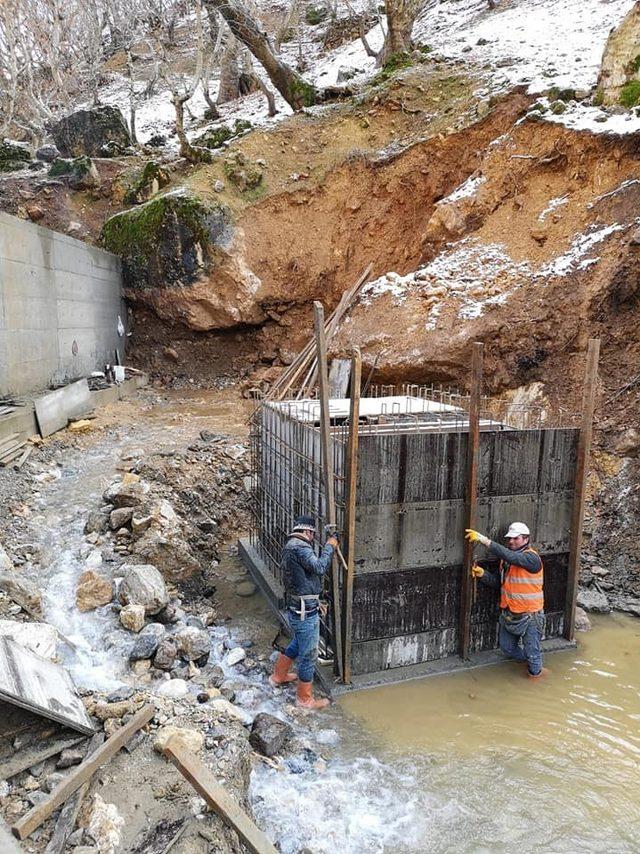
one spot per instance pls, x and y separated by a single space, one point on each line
553 205
581 244
464 191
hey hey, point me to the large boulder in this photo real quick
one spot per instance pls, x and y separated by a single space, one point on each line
13 156
126 494
143 585
95 132
21 590
169 552
176 261
93 591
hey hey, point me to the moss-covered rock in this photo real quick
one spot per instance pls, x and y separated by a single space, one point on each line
150 180
165 242
630 94
79 173
13 156
88 131
621 61
558 108
216 137
243 172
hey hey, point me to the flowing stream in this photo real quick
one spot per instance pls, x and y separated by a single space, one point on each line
482 761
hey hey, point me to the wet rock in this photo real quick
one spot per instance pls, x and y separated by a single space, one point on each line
269 734
132 617
125 692
189 739
143 585
146 643
192 643
227 708
126 494
628 605
169 552
89 131
228 692
119 517
21 590
245 589
165 654
235 656
593 600
69 757
216 677
97 522
168 615
582 621
196 622
141 668
175 689
93 591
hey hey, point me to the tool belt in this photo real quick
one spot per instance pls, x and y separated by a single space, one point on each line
303 606
517 624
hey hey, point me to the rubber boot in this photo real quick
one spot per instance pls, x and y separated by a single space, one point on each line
281 673
305 699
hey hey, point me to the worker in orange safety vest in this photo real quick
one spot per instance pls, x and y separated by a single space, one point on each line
520 581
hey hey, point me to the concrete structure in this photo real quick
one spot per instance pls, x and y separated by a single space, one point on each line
410 517
60 301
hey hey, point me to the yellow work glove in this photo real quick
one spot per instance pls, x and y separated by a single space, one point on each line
476 537
477 571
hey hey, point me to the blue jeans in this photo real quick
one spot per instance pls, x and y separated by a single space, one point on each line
304 645
530 650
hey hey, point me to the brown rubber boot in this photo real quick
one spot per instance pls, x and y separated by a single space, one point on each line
305 699
281 673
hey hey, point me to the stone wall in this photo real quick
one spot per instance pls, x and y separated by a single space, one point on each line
60 300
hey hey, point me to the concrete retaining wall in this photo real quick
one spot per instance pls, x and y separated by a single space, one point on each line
60 300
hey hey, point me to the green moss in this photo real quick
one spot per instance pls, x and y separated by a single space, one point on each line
141 189
13 156
315 15
558 108
396 62
303 94
425 48
538 107
557 94
288 35
598 98
630 94
634 65
242 125
154 238
216 137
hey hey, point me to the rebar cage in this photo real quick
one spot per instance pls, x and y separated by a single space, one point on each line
286 449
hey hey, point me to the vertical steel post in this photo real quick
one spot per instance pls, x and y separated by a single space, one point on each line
580 487
327 464
350 515
473 459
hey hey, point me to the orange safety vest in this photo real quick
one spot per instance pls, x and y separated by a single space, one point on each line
521 590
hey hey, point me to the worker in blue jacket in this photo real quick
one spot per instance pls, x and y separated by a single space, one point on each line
302 573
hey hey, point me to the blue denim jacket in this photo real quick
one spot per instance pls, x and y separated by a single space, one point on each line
302 571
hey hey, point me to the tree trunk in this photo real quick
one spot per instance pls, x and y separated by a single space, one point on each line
293 88
400 17
188 151
229 88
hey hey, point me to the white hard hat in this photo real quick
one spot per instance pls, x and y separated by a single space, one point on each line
517 529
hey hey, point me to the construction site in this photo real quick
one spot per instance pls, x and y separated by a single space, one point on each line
319 437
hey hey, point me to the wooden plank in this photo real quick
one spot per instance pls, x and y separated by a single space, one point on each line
81 774
40 686
327 464
23 458
38 752
350 509
8 440
54 410
220 801
580 490
473 461
339 374
69 813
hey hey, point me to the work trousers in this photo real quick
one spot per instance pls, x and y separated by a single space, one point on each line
524 645
304 645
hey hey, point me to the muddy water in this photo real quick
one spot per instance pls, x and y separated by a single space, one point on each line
483 761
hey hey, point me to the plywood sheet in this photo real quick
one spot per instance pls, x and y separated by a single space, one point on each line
40 686
54 410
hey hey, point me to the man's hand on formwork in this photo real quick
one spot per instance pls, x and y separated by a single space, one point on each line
476 537
477 571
